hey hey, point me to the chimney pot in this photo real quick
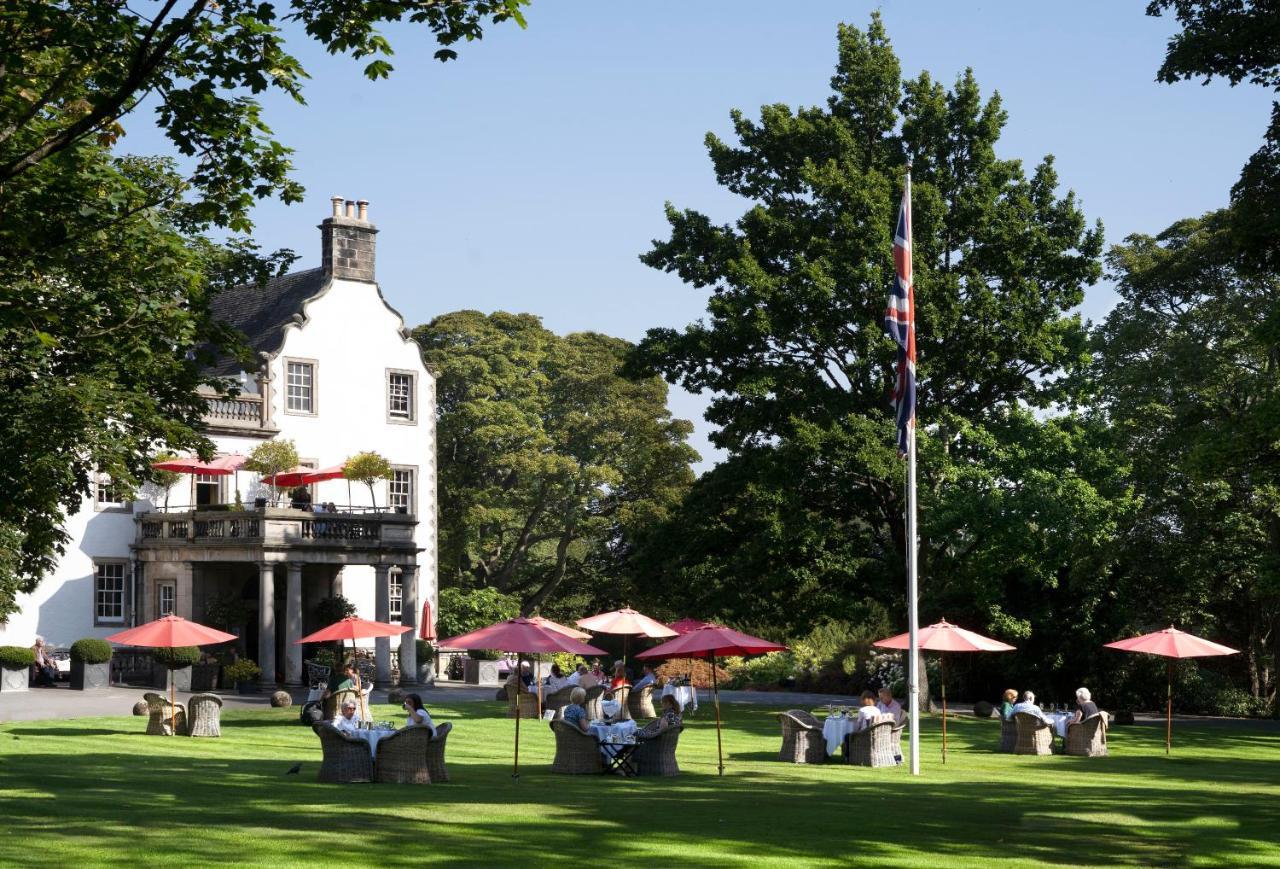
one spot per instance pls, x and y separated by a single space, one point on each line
337 205
347 243
363 205
351 208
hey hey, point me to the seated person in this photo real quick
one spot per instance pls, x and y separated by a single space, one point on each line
649 678
526 675
346 679
670 717
1006 707
1028 705
575 714
1084 705
619 675
346 720
597 670
418 716
46 668
888 706
575 678
867 712
556 680
587 679
300 498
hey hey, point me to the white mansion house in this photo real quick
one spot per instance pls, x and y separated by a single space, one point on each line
339 374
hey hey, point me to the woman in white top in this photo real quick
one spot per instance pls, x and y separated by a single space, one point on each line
867 713
418 716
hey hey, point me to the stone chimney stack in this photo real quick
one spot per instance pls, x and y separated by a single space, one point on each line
347 241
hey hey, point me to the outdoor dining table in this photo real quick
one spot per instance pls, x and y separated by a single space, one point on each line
685 695
1059 720
372 736
835 728
617 741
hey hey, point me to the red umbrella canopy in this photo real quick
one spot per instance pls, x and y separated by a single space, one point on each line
352 628
626 621
712 640
221 466
427 627
945 637
295 476
559 628
520 635
1172 643
170 631
685 625
332 473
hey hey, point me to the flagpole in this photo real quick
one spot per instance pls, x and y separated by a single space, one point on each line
913 626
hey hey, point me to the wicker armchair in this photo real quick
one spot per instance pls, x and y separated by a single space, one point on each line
895 736
577 753
640 703
205 715
402 757
316 673
1088 738
526 699
557 700
802 740
623 696
1008 735
1035 736
435 754
346 759
656 755
166 719
873 745
592 704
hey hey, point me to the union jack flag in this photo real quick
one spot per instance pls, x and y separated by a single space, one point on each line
900 322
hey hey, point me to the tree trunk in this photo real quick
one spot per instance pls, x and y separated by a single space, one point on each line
926 701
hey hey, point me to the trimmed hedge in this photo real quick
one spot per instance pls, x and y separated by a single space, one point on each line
91 651
16 657
177 657
242 670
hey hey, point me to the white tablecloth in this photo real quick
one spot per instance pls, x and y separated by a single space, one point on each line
685 695
372 737
1059 720
604 732
834 730
610 708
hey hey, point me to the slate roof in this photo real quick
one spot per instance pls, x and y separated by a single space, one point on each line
262 312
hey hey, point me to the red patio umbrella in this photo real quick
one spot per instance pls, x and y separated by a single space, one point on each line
685 625
522 636
713 640
334 472
220 466
945 637
295 476
559 628
427 628
1171 643
628 623
352 628
168 632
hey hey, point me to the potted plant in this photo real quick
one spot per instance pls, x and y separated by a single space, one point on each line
270 458
367 468
426 662
90 664
177 660
15 667
245 674
481 667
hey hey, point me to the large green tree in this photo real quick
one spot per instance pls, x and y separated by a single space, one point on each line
1188 372
1238 40
805 516
550 461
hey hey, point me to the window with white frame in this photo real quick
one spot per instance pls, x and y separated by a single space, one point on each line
401 396
397 596
108 593
400 490
300 387
166 597
208 489
108 494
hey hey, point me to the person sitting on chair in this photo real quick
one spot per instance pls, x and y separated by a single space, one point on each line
346 720
300 498
418 716
649 678
46 668
868 712
1084 705
575 714
670 717
888 706
556 680
619 675
597 670
1028 705
346 679
587 679
1006 708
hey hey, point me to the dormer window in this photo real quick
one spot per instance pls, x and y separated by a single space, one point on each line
300 387
402 396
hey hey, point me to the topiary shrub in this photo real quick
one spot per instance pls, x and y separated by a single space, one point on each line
243 670
91 651
425 650
983 709
395 697
333 609
16 657
177 657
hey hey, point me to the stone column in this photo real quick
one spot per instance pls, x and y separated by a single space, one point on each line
267 622
409 617
293 625
182 587
382 613
335 589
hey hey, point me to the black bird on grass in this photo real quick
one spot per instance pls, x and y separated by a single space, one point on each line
293 770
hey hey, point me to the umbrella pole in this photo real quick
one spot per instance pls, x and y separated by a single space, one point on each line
173 708
515 769
942 677
715 687
1168 715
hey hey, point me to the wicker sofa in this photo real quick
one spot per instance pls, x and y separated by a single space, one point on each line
204 715
1035 736
577 753
165 719
1088 738
802 740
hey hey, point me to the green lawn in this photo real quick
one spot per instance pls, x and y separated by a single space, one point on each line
96 791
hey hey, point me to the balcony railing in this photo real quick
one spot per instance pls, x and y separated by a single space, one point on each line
243 413
275 526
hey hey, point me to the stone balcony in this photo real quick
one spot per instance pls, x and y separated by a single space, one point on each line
243 414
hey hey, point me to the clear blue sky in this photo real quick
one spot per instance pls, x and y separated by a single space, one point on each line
529 174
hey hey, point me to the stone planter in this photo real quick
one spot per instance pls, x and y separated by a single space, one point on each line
160 678
15 680
247 687
426 673
90 677
480 672
204 677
